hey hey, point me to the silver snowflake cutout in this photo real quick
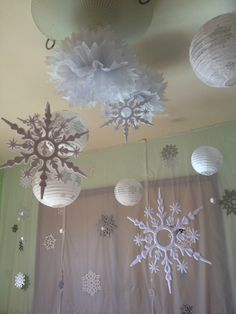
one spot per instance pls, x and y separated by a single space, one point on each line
91 283
47 144
137 110
167 239
49 242
106 225
20 280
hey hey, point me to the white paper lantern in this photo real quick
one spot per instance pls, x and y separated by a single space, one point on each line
128 192
212 51
58 193
57 19
206 160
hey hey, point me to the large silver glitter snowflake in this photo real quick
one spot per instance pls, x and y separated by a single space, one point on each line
106 225
49 242
132 112
20 280
167 239
46 147
91 283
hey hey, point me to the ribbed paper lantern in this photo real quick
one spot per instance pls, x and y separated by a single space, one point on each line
206 160
212 51
57 19
77 126
128 192
57 193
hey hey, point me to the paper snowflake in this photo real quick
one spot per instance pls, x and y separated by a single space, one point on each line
21 244
179 239
91 283
14 228
228 201
106 225
46 148
23 213
131 113
169 155
22 281
186 309
49 242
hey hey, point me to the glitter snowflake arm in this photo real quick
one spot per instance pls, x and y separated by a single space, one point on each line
167 268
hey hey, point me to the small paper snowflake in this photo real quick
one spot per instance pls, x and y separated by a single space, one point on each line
49 242
91 283
21 245
228 201
15 228
106 225
23 213
180 238
19 280
169 155
186 309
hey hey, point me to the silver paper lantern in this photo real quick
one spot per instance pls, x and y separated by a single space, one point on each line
206 160
212 51
58 193
128 192
57 19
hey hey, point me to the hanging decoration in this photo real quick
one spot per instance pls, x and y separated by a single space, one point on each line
128 192
49 242
91 283
228 202
106 225
22 281
57 19
59 193
15 228
21 244
206 160
186 309
23 213
92 67
141 108
166 238
169 155
212 51
45 147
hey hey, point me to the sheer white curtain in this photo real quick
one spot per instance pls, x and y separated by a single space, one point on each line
125 290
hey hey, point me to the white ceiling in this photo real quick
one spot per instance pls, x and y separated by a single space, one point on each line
24 86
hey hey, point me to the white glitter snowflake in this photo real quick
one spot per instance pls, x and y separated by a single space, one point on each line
106 225
91 283
180 239
19 280
49 242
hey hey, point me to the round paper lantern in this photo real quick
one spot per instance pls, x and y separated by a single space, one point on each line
128 192
212 51
206 160
77 125
57 19
58 193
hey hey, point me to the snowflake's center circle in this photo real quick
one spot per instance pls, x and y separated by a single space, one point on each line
126 112
164 238
45 148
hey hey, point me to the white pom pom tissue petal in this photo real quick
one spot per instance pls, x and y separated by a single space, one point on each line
128 192
212 51
206 160
93 67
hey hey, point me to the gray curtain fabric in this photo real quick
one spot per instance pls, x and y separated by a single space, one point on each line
204 289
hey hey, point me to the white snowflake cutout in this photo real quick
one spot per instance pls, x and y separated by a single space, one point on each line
49 242
19 280
91 283
179 241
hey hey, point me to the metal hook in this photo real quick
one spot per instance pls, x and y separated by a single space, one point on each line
48 41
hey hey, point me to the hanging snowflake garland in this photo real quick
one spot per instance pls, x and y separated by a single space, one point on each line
91 67
46 148
106 225
49 242
180 238
22 281
169 155
186 309
91 283
228 202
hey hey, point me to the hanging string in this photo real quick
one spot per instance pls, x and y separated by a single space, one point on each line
63 232
146 187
